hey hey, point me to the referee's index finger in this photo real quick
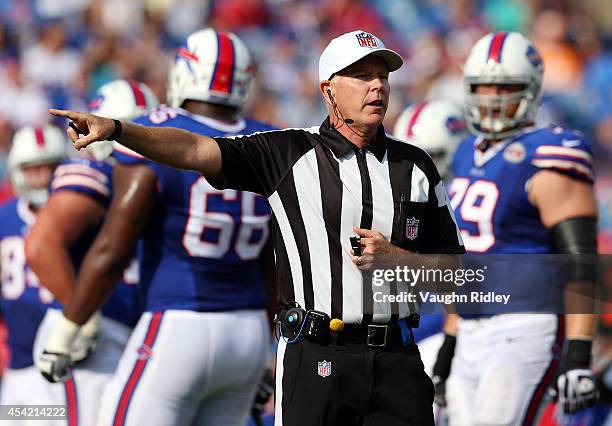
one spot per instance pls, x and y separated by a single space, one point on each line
64 113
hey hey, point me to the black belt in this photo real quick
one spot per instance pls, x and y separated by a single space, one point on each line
297 324
376 335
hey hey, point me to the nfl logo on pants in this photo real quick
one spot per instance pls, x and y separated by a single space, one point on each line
324 368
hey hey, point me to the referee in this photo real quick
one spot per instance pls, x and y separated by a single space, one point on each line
346 357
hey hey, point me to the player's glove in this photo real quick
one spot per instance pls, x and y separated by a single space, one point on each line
264 391
85 341
575 384
55 362
442 368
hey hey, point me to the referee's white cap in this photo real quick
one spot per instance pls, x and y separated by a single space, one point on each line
350 47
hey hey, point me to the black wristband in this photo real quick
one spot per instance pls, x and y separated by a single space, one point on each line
117 132
578 354
445 357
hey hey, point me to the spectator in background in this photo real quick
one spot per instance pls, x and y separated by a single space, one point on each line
23 102
49 63
550 37
236 15
341 16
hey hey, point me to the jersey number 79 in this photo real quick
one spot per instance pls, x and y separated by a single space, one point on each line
475 203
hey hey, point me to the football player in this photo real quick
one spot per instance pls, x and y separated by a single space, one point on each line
34 155
518 189
198 352
437 127
81 191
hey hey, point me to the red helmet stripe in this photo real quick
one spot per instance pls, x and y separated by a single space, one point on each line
495 48
40 137
415 116
223 73
139 97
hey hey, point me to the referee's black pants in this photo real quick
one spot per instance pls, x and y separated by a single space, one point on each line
365 386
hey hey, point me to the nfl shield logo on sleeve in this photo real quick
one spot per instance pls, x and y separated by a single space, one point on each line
324 368
412 228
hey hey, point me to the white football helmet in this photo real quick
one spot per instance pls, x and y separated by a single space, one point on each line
435 126
502 58
34 146
213 67
122 100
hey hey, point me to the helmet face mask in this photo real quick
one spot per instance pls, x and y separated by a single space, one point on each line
35 180
499 115
212 67
34 146
502 59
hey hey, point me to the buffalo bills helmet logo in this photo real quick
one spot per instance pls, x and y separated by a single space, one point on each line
533 56
455 125
96 102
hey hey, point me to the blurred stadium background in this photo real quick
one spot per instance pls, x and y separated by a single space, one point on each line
56 53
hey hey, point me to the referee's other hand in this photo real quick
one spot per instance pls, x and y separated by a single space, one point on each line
374 246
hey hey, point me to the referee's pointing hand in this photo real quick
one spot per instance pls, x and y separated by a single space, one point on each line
92 127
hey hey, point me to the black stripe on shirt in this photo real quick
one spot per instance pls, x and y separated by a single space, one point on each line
331 199
288 195
366 223
284 279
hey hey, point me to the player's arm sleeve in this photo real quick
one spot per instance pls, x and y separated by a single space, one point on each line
442 234
259 162
83 178
570 155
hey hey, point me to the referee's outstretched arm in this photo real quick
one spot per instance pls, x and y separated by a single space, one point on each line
168 145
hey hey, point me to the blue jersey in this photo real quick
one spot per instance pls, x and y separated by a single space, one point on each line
489 193
201 245
94 179
24 300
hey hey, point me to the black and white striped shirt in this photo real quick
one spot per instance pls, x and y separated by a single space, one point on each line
320 185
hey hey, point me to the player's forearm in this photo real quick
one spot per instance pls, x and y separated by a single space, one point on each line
451 324
101 271
410 259
52 264
174 147
580 326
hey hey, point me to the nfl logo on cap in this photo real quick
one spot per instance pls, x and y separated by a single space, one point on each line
343 51
412 228
324 368
366 40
